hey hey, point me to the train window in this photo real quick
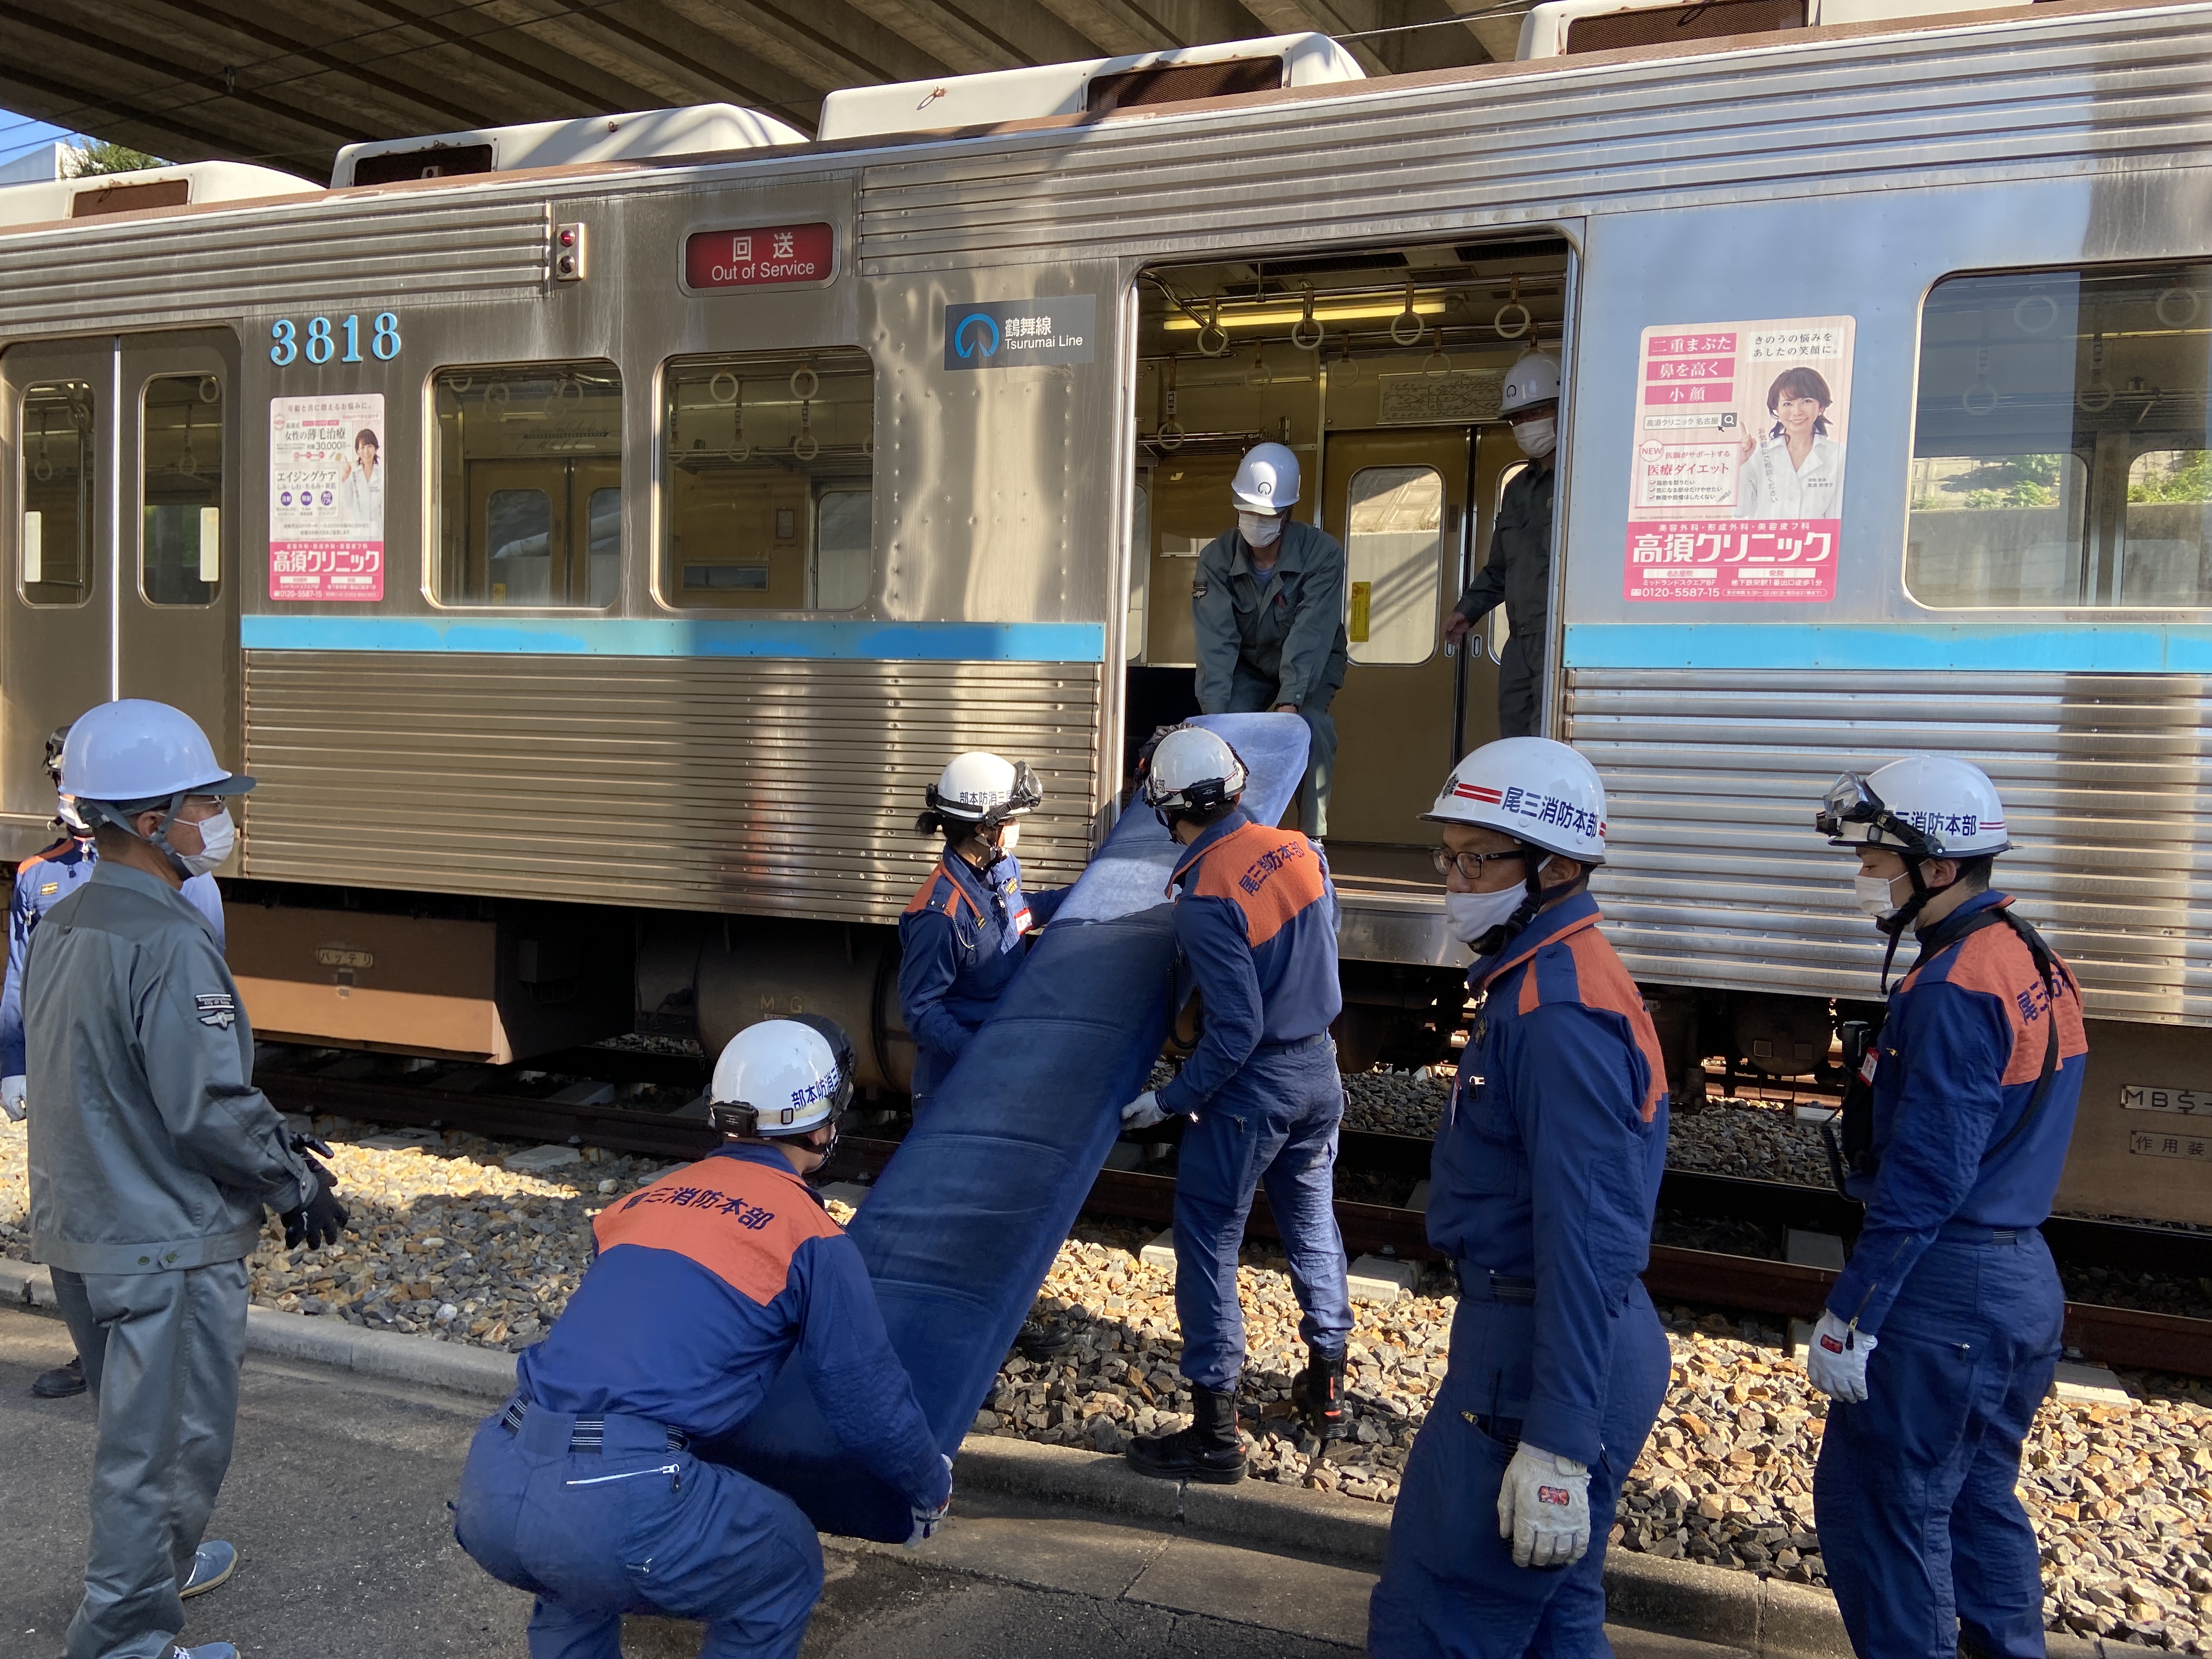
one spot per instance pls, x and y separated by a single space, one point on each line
180 489
56 454
1394 552
770 481
2059 445
528 490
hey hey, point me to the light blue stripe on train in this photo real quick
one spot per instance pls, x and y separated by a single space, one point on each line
2117 647
678 636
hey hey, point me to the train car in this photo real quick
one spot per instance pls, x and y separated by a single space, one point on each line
594 540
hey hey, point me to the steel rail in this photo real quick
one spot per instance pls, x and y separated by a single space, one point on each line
2115 1336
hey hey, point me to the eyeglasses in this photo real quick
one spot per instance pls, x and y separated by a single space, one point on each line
1469 865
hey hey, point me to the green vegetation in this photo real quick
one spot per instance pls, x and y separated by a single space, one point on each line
94 156
2191 481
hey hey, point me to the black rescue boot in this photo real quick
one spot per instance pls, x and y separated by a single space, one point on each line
1207 1450
1317 1394
60 1383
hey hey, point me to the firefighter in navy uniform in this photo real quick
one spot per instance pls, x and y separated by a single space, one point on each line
1256 931
965 931
151 1156
584 1491
42 881
1940 1338
1543 1183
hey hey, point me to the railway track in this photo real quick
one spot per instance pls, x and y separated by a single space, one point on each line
573 1110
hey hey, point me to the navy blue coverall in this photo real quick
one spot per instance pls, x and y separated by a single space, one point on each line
1927 1548
962 941
583 1491
1544 1179
1256 931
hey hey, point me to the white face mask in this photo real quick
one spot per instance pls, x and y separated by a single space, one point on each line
1537 438
1468 916
1259 529
1011 836
1873 894
219 835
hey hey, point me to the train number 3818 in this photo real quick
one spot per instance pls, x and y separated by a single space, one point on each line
322 341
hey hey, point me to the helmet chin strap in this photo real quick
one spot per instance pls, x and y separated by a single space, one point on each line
1534 859
1907 912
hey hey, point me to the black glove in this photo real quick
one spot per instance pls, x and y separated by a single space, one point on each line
317 1222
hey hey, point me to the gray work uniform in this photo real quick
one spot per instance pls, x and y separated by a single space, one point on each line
1518 575
1277 637
151 1155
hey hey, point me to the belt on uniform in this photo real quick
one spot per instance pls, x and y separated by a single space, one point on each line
1480 1282
590 1433
1960 1232
1292 1045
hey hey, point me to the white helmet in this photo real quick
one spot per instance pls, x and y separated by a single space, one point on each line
1266 479
1532 789
781 1076
1925 806
1192 769
1534 380
981 788
132 751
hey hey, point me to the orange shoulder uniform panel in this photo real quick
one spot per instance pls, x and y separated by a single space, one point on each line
1600 981
1996 961
924 897
1270 877
742 1222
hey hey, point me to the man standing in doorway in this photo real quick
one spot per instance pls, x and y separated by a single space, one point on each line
1519 572
1268 605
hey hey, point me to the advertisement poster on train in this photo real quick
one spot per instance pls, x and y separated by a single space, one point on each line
1737 489
326 497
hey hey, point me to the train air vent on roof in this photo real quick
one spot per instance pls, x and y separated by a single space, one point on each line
697 129
1185 74
38 201
1560 27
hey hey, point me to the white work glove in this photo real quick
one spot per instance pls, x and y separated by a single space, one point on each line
1143 1112
926 1521
1836 1359
1543 1506
11 1098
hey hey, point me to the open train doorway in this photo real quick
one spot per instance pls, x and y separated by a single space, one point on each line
1382 370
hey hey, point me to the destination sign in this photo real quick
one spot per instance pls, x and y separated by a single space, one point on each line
761 256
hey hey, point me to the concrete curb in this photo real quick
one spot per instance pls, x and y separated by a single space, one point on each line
325 1339
1762 1617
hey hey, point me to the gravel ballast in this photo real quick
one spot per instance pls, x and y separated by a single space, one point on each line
452 1245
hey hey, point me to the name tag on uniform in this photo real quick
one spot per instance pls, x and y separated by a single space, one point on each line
1021 923
51 887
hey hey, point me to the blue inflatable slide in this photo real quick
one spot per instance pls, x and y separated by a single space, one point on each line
963 1225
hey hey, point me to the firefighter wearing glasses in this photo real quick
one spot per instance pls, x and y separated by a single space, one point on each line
1544 1177
965 931
1940 1336
583 1491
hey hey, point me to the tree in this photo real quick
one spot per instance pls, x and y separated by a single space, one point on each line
90 157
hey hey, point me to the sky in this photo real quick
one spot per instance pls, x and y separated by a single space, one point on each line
20 135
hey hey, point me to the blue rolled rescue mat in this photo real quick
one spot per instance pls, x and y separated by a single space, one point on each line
962 1227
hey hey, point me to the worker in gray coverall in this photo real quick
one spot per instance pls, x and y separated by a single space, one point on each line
1268 603
151 1155
1519 571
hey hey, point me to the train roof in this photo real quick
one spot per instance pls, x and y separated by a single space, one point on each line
243 187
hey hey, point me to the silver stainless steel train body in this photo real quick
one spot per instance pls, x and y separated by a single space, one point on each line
551 694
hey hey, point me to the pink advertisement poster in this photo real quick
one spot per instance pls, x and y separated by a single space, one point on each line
326 497
1738 484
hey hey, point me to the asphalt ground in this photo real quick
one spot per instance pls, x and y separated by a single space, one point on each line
336 1502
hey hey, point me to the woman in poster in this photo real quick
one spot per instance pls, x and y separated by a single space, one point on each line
1795 470
360 485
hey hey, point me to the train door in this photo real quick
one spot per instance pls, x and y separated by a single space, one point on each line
546 532
120 509
1397 501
